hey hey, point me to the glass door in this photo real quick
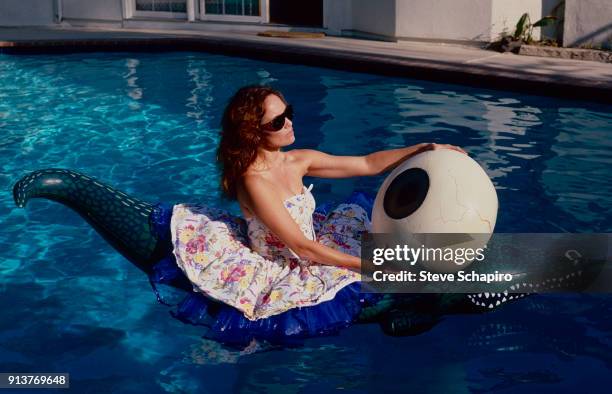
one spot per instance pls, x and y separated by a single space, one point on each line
233 10
176 9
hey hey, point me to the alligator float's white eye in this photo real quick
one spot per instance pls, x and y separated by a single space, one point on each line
440 191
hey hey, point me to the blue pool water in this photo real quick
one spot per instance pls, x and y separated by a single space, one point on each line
148 124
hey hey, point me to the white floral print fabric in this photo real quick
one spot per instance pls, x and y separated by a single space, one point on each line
248 267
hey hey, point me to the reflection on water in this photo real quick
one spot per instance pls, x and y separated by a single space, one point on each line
148 123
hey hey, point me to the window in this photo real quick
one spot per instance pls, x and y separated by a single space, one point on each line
254 11
160 8
239 8
162 5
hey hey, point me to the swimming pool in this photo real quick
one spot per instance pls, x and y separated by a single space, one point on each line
147 123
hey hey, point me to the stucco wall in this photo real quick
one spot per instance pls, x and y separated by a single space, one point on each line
26 12
376 17
463 20
588 22
468 20
505 14
101 10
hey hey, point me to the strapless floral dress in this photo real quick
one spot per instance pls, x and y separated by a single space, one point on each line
245 283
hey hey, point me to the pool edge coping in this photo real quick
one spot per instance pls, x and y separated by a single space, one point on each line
481 76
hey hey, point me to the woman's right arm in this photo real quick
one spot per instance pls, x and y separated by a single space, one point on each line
268 206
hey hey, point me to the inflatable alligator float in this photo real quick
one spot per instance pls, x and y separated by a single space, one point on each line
125 222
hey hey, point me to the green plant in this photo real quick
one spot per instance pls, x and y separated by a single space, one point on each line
524 27
523 32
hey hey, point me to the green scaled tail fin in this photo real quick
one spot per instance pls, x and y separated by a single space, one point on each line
122 220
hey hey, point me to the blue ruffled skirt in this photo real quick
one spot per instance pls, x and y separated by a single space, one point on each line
228 325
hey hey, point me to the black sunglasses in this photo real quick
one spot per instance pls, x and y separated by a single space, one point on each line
279 122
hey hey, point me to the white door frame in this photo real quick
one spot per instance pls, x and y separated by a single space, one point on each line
198 10
129 9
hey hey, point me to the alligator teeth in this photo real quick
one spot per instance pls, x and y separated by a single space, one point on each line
487 295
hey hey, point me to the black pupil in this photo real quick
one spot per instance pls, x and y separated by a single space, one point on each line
406 193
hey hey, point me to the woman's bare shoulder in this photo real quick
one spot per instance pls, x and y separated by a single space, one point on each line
300 154
253 181
301 157
251 178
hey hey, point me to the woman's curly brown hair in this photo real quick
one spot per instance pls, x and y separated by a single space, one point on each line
241 134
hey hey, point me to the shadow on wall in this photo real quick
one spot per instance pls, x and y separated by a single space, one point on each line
588 39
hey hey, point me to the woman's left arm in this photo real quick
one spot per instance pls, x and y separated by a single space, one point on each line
387 160
322 165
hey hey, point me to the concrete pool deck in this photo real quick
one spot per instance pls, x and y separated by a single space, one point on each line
572 79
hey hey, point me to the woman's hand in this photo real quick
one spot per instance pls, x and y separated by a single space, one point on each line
433 146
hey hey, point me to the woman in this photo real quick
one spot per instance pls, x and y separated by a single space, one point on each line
288 271
297 273
261 176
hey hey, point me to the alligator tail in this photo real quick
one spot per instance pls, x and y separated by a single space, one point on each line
125 222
